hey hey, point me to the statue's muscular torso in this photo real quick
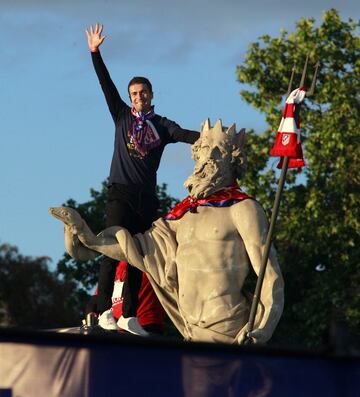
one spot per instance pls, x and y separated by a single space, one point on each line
212 264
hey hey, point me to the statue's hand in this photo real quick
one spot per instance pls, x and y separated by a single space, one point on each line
243 337
74 247
70 217
74 229
249 338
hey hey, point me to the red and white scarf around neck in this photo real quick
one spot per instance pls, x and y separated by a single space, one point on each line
143 133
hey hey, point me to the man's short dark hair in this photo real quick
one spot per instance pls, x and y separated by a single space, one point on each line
140 80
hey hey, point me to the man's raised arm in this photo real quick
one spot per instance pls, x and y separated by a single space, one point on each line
112 96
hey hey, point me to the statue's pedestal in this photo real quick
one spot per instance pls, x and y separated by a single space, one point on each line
72 365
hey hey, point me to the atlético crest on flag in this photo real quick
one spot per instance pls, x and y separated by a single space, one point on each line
285 139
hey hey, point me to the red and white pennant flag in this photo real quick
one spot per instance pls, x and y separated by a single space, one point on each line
287 140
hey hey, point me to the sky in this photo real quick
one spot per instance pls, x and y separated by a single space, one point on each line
56 131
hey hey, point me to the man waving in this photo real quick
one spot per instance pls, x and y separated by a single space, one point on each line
140 138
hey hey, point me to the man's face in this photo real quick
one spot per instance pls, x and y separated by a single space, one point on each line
140 97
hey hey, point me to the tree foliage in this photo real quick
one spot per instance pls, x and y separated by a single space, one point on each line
318 226
31 295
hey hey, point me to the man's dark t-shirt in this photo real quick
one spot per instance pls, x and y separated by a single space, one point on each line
128 167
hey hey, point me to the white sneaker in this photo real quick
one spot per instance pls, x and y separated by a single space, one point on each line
107 321
131 324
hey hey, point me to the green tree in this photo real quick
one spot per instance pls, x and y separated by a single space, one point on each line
31 295
317 233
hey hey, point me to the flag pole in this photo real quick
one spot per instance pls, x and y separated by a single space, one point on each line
274 214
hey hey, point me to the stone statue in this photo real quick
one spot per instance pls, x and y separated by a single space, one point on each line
198 256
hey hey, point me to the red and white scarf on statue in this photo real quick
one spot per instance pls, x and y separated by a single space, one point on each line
143 133
287 140
222 198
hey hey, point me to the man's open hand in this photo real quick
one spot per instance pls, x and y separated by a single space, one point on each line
94 37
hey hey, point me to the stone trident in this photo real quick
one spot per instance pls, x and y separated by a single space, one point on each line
275 210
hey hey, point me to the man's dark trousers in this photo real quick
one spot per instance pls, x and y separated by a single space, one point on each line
131 207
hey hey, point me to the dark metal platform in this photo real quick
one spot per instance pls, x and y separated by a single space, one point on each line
38 363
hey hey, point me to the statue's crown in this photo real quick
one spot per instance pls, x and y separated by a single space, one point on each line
226 133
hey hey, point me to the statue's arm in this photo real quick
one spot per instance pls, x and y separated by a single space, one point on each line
81 243
114 242
251 223
75 248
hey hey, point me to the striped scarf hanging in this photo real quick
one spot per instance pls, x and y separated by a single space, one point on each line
287 140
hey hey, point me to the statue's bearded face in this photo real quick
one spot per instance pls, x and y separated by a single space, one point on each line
213 170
